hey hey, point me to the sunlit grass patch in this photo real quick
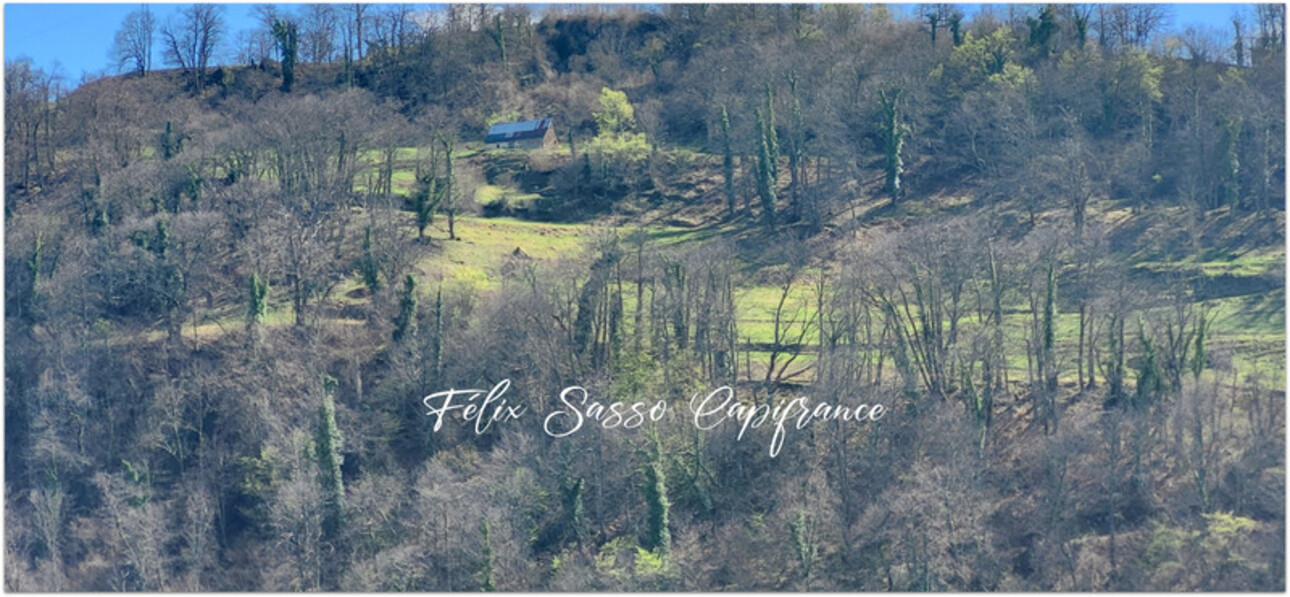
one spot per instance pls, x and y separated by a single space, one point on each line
1258 262
485 244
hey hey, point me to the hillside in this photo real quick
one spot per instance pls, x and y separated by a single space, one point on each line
1052 251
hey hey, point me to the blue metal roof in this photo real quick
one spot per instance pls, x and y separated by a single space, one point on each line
514 131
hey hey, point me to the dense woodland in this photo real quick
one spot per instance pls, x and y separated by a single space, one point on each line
1048 238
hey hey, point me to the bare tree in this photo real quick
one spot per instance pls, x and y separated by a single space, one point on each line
1203 44
1133 24
791 325
191 40
937 16
31 111
133 45
1068 174
1272 25
392 28
358 17
318 33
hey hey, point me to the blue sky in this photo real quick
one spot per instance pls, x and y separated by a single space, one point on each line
76 38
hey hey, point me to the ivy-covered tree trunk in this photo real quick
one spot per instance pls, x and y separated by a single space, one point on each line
450 199
660 537
35 265
765 174
893 134
804 531
498 34
428 195
933 23
368 266
727 161
257 300
1200 356
797 153
405 323
487 567
438 334
772 137
285 34
169 144
574 508
1048 366
327 445
1115 367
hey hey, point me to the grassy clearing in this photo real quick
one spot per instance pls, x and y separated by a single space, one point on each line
487 193
214 324
756 308
485 244
1258 262
402 182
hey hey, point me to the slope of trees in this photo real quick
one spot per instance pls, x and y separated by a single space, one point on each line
219 326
